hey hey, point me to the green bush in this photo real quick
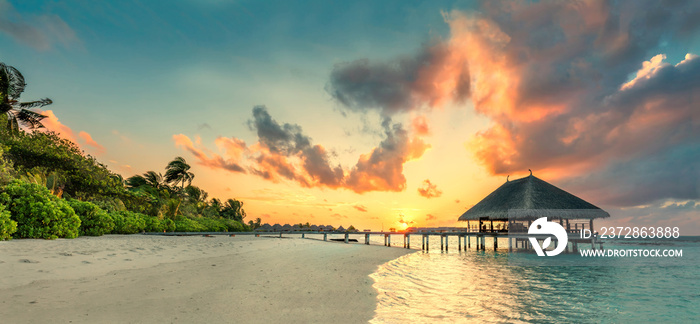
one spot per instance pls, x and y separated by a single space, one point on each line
7 226
38 213
212 225
234 226
126 222
93 220
184 224
154 224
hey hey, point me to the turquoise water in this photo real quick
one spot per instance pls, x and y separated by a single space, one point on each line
487 287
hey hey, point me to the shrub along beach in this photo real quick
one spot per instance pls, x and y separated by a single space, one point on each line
50 189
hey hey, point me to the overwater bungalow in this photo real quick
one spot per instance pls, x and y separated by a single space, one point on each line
264 228
517 203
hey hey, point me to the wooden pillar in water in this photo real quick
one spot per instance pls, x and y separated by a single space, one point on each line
388 240
459 242
422 237
469 242
346 237
325 236
302 235
441 244
483 243
408 241
495 242
447 243
280 234
367 239
510 244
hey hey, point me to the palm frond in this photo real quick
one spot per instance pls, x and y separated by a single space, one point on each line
30 119
35 104
15 82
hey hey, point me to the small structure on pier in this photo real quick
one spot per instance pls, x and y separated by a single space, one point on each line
516 204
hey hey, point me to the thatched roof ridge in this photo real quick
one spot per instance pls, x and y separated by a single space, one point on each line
531 198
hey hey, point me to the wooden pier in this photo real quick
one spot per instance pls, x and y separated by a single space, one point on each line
514 241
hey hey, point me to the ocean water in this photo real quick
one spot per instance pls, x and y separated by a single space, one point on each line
489 287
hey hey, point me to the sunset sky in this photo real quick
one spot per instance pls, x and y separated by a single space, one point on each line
378 114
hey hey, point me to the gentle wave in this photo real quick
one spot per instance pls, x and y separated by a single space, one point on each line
484 287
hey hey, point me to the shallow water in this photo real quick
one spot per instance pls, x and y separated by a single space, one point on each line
487 286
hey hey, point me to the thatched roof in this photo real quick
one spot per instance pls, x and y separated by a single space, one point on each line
532 198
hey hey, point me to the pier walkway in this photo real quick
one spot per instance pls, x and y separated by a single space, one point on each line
513 241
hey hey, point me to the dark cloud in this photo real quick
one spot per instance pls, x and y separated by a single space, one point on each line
37 31
429 190
283 152
554 78
402 84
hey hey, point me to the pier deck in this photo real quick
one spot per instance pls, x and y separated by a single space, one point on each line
514 241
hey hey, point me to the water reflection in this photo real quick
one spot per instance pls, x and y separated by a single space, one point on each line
484 286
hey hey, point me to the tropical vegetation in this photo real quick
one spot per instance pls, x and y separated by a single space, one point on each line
50 189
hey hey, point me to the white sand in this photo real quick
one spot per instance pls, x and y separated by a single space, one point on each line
156 279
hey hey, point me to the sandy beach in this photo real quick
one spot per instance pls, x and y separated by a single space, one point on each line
156 279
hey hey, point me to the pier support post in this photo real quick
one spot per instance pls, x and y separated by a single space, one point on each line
483 243
459 243
510 244
442 245
280 234
469 242
325 236
408 241
388 240
302 235
422 237
404 241
346 237
367 239
495 242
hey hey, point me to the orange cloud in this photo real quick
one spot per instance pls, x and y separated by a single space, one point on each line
216 161
283 152
360 208
420 125
87 139
83 140
429 190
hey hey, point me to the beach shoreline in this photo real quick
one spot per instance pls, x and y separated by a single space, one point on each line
147 279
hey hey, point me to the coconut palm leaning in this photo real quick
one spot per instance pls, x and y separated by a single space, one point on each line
178 171
18 113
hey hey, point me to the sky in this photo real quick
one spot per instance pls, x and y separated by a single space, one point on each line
378 114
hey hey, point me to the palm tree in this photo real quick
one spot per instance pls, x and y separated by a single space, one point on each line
11 86
178 171
233 209
150 178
